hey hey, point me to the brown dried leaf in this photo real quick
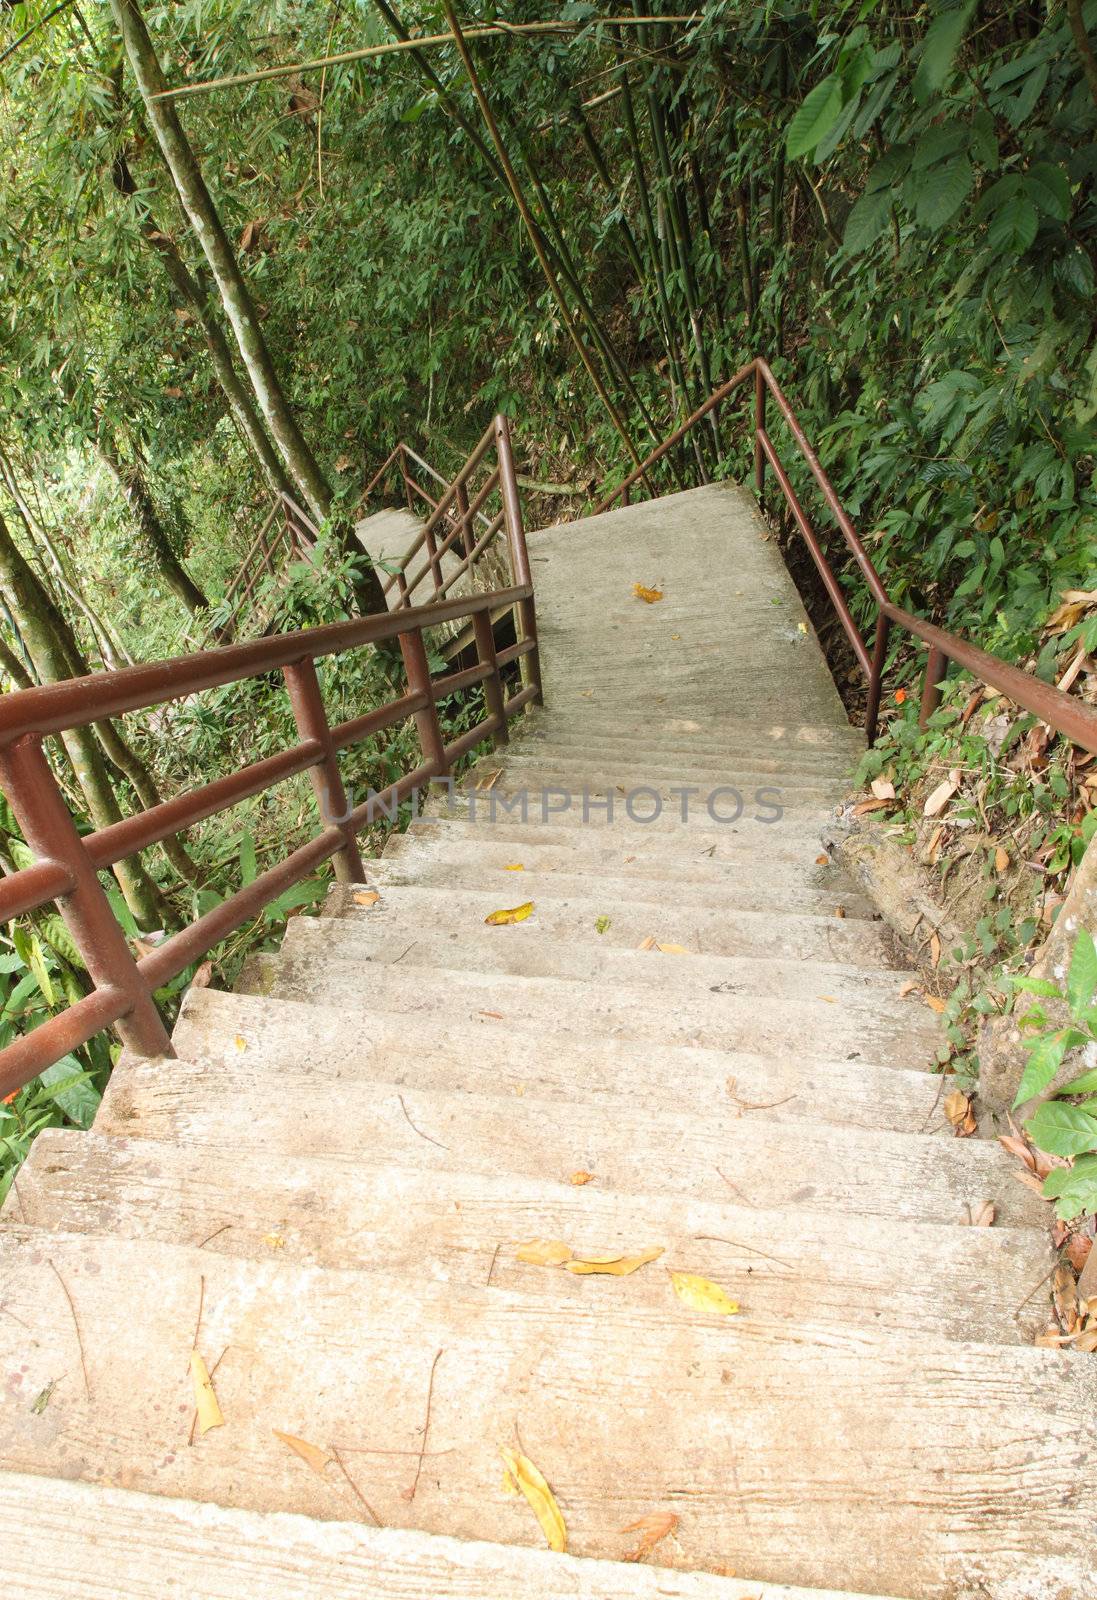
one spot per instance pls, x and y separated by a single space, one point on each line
935 1003
580 1178
883 788
959 1113
649 596
865 806
941 796
613 1266
935 949
543 1252
311 1454
1018 1147
647 944
1001 859
659 1525
365 897
1077 1250
541 1498
822 861
984 1214
1064 1297
202 976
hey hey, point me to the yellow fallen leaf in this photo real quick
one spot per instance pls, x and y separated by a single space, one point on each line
240 1042
651 1529
543 1252
540 1496
648 943
675 950
509 1485
648 595
316 1458
822 861
801 627
700 1294
514 866
500 919
676 635
276 1241
209 1412
366 897
579 1178
613 1266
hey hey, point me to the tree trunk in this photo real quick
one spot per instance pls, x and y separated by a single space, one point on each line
43 633
202 215
131 481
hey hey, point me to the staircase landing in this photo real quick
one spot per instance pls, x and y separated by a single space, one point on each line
698 1041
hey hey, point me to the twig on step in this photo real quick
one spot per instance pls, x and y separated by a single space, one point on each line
341 1464
19 1199
76 1325
754 1105
745 1198
224 1228
1036 1291
715 1238
409 1494
494 1259
419 1131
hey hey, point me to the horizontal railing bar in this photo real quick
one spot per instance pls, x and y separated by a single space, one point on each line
426 466
30 1054
522 698
474 736
147 828
830 582
382 469
371 809
167 960
32 887
453 681
513 651
356 728
56 707
1061 711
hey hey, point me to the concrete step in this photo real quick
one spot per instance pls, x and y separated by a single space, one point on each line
643 796
714 734
528 801
445 929
295 1042
786 1452
455 1227
639 749
570 907
628 771
900 1033
810 1166
82 1541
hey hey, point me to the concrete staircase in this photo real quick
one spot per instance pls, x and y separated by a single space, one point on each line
326 1193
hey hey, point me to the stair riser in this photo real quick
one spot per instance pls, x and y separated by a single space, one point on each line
605 770
291 1041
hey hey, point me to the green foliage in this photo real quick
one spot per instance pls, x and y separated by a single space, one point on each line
1065 1125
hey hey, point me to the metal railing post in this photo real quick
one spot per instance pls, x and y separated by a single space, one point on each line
311 717
468 533
51 833
519 554
936 667
879 654
404 475
417 669
493 683
759 429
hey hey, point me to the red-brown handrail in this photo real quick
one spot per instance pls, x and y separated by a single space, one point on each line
1065 713
67 864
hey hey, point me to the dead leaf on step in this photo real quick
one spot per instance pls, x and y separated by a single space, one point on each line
648 943
1077 1250
675 950
489 779
935 949
500 919
934 846
312 1454
864 806
613 1266
274 1241
651 1529
209 1412
983 1215
240 1042
365 897
883 788
1064 1297
580 1178
935 1003
514 866
941 796
960 1114
202 976
497 1016
543 1252
839 911
648 595
601 924
541 1498
907 988
822 861
701 1294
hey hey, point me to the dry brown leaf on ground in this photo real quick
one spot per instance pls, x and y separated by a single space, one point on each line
613 1266
659 1525
205 1401
935 949
959 1112
544 1252
581 1177
822 861
935 1003
701 1294
202 976
648 943
883 788
1019 1147
530 1481
1077 1250
649 596
1064 1297
983 1215
1001 859
311 1454
366 897
939 799
874 804
501 919
675 950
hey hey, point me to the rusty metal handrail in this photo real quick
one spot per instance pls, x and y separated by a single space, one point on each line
1063 712
67 863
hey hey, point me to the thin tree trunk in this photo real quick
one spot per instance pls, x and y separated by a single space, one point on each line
43 631
131 480
202 215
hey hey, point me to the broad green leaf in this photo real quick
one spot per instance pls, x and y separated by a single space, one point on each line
941 190
1063 1130
1013 227
1044 1060
1082 977
945 35
818 113
1042 986
1085 1083
70 1086
1074 1189
1049 189
249 867
867 221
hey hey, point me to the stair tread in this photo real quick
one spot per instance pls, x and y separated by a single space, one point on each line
810 1165
586 909
707 1416
301 1040
451 1226
68 1540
